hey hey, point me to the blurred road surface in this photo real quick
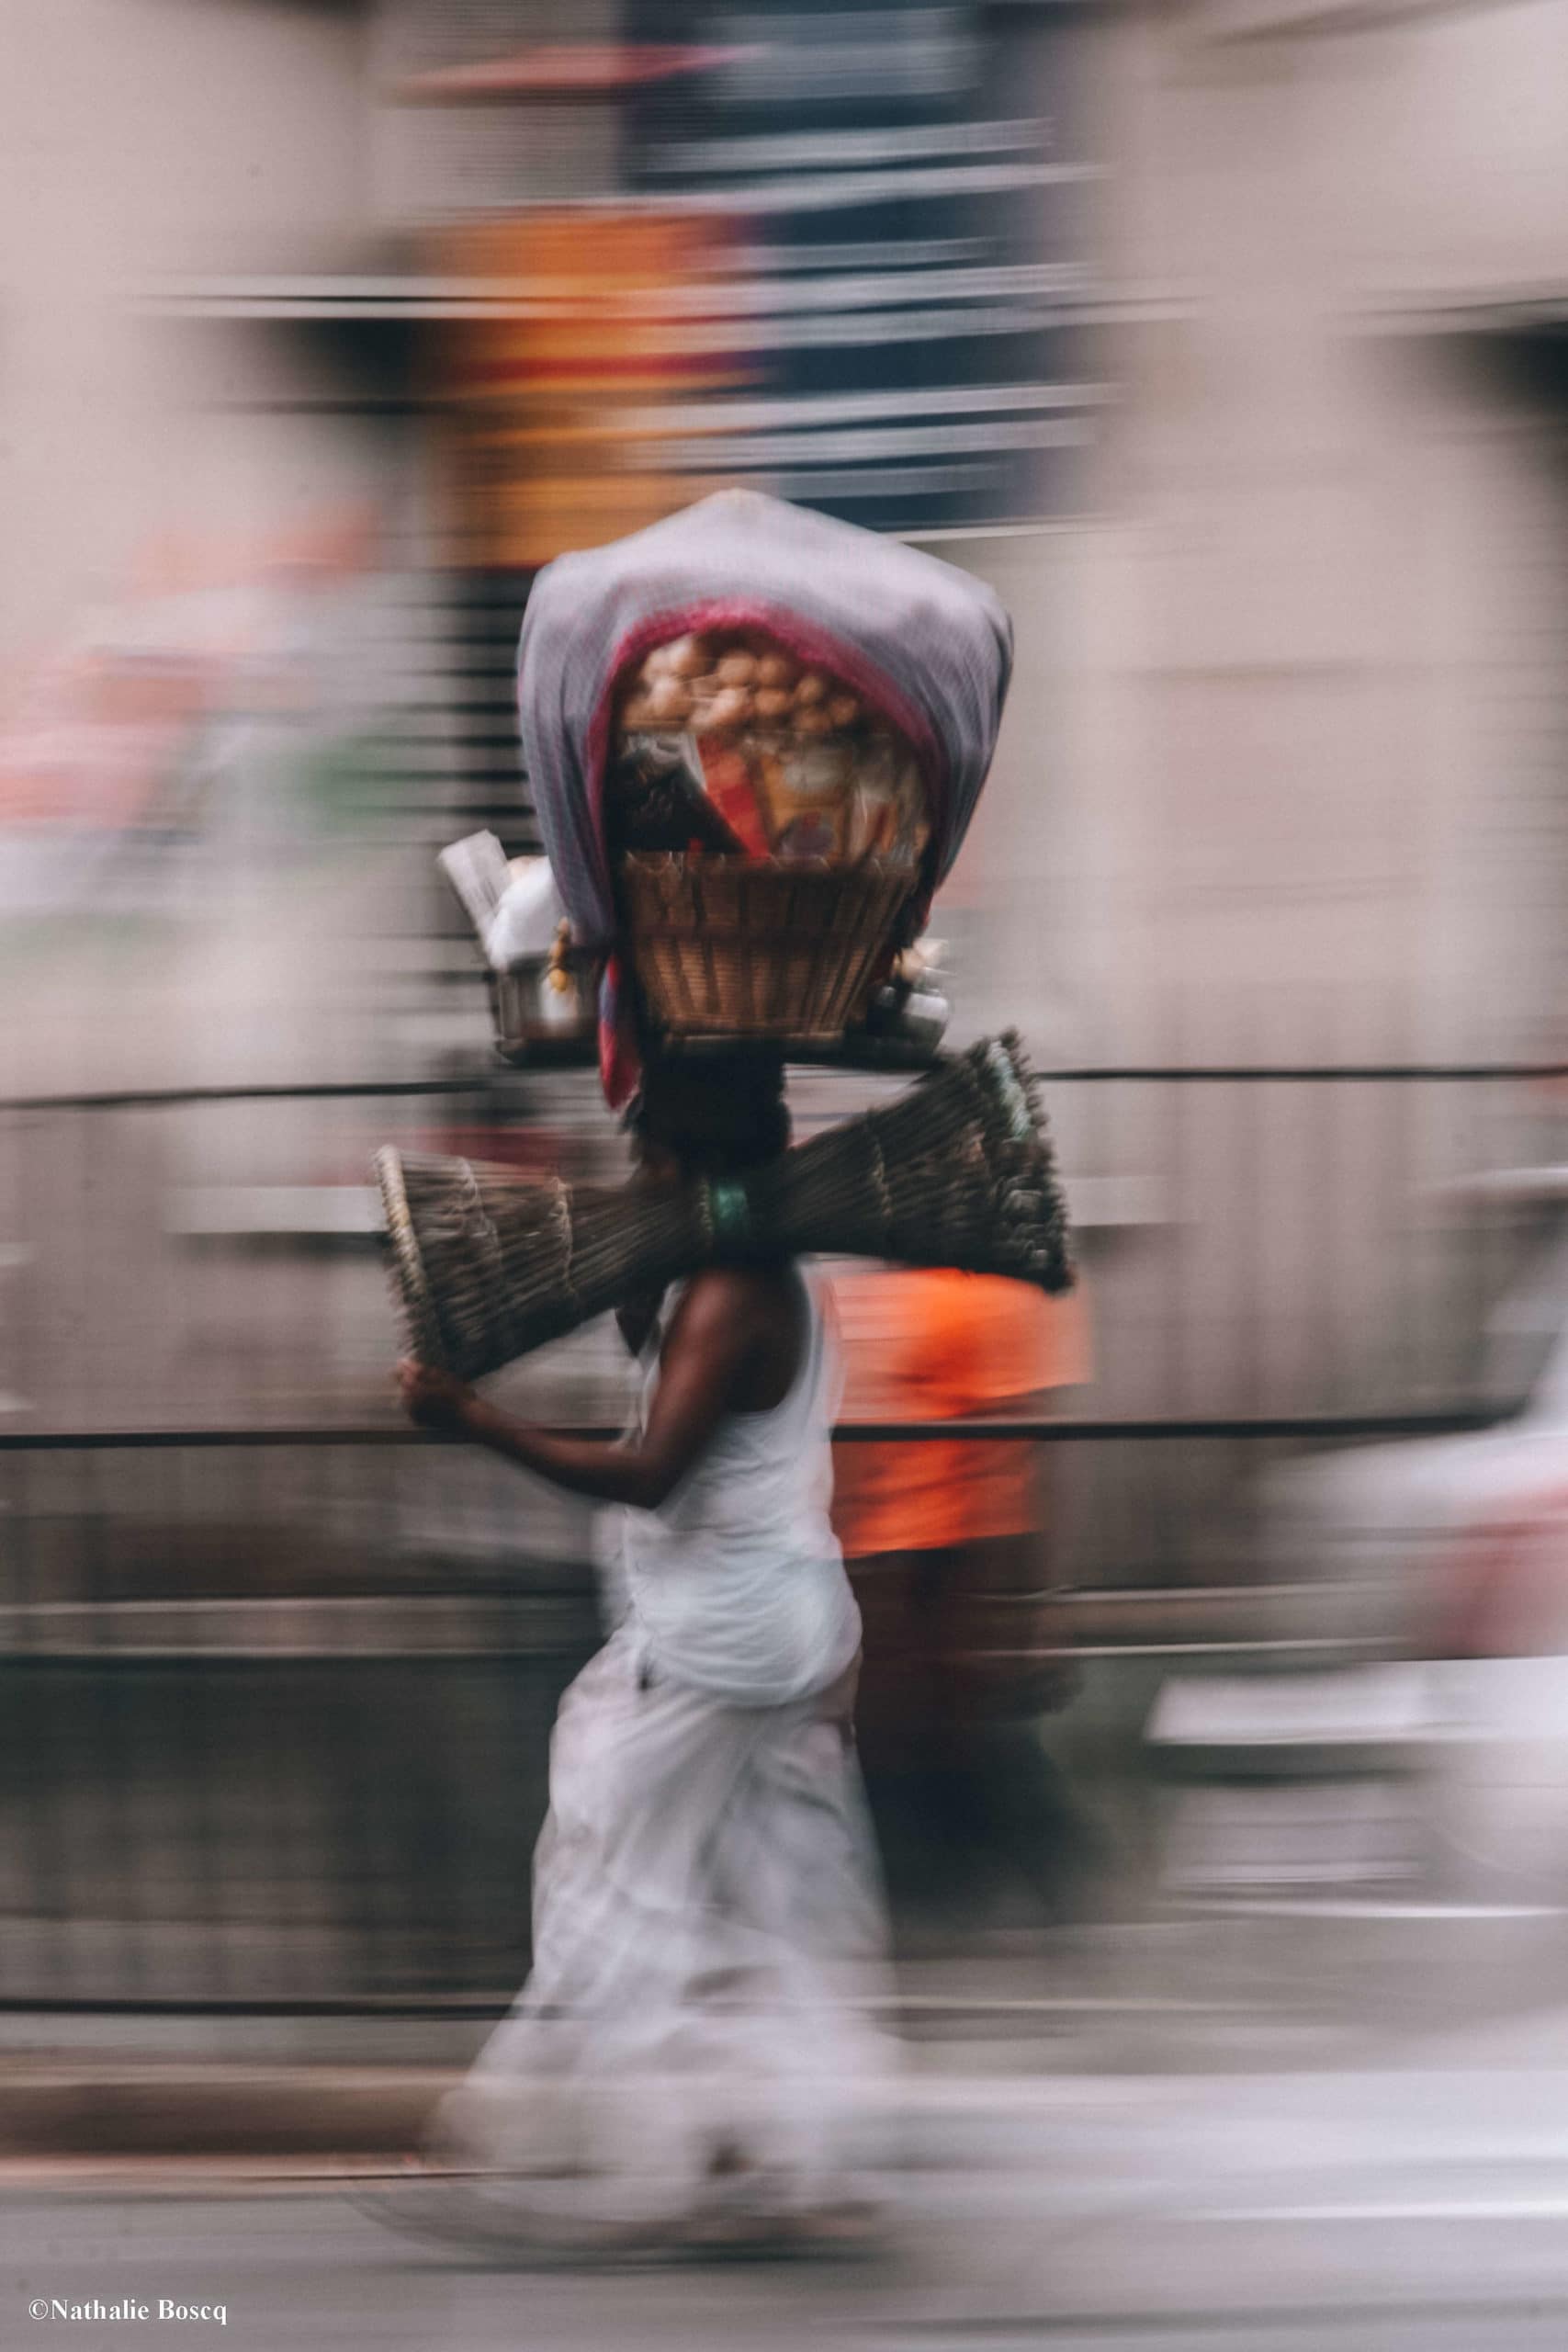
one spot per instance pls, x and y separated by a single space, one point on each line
1418 2205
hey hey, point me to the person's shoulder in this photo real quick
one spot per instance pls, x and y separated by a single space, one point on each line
728 1291
733 1303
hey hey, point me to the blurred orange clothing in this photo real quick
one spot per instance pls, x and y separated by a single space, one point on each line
934 1345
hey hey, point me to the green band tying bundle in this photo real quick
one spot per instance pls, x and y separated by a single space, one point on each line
729 1213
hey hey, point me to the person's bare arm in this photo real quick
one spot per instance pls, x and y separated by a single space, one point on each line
705 1355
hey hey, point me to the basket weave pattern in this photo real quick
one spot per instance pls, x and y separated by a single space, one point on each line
737 947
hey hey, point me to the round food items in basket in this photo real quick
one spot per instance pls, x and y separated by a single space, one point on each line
768 831
726 744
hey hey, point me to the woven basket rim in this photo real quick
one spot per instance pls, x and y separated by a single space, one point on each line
679 1039
810 933
414 1282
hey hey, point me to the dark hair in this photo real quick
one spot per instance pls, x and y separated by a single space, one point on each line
718 1113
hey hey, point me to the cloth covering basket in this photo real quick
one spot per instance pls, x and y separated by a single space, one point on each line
920 643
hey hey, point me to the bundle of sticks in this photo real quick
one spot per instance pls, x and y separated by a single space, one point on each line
958 1173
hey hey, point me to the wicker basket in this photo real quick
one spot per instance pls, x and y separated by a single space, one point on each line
739 947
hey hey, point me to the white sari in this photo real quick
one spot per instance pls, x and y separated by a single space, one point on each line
709 1926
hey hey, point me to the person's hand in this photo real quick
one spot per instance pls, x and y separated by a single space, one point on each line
431 1397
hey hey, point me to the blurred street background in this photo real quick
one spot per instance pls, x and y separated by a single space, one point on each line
1227 340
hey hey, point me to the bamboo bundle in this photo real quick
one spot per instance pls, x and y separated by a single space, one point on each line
956 1173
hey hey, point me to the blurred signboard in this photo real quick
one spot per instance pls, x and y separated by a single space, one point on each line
916 213
838 254
554 398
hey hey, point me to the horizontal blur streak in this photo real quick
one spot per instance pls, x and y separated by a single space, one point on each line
1224 1723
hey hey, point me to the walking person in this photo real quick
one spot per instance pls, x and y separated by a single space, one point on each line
708 1920
949 1542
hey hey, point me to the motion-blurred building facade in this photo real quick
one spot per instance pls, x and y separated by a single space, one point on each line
1223 339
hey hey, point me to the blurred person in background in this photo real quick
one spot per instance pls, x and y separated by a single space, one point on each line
949 1542
706 1875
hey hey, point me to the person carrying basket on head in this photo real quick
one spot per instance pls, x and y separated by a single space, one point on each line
754 738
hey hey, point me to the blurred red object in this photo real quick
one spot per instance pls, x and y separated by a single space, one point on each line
1506 1594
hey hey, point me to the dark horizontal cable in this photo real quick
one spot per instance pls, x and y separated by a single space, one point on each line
1067 1431
328 1091
1308 1073
481 2008
1216 1074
